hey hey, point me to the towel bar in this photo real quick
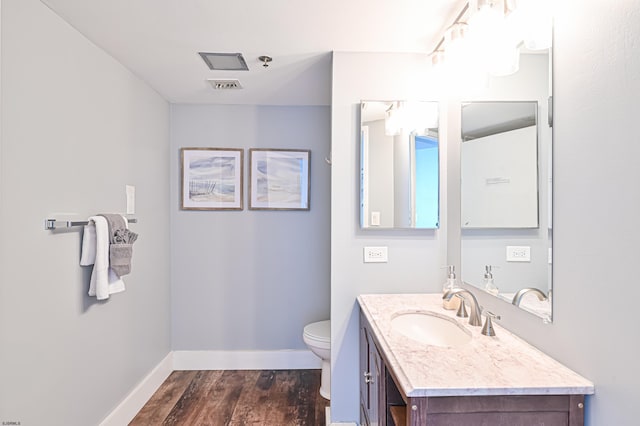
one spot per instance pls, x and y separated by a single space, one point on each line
51 224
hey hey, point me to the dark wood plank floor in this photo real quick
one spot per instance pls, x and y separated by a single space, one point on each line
236 398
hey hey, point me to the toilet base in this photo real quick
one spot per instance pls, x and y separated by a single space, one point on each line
325 380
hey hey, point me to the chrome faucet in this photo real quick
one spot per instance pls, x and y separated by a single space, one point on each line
474 317
519 295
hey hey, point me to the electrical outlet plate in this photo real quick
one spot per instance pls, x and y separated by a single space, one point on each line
518 254
375 255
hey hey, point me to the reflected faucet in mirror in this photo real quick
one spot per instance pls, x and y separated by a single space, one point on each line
520 294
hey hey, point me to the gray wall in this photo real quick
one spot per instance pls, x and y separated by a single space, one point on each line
77 127
596 203
249 280
415 256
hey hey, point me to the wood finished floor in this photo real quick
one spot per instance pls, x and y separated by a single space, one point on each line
236 398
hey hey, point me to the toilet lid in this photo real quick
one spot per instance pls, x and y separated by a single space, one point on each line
320 331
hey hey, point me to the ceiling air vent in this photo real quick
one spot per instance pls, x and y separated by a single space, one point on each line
224 61
225 84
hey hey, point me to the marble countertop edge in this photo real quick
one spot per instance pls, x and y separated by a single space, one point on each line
490 366
587 390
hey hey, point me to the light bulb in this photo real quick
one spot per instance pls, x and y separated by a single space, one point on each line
436 76
536 20
494 44
463 74
486 24
419 116
392 121
457 47
505 60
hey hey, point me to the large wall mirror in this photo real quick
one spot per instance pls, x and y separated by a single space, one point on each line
399 165
506 188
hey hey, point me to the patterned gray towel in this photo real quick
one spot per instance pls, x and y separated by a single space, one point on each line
120 244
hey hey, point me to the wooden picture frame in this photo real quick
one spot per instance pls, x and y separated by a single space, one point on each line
211 178
279 179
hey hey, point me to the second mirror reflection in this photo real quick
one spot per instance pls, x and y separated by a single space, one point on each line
499 165
399 165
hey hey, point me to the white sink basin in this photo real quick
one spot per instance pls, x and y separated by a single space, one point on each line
430 328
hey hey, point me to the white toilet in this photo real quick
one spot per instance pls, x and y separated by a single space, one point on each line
317 336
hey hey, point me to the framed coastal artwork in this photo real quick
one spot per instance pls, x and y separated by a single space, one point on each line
211 178
279 179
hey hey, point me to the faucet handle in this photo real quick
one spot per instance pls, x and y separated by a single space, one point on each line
488 329
462 311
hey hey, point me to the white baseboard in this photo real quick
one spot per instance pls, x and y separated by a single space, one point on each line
245 360
327 417
135 400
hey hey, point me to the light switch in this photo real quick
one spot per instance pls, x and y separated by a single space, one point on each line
131 199
375 218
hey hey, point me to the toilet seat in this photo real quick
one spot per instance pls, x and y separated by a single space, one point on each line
319 333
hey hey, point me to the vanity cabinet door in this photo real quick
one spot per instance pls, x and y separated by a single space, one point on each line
365 401
372 389
377 387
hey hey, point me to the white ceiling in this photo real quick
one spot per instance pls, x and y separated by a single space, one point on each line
159 41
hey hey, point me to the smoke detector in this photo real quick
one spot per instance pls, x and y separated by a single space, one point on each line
225 84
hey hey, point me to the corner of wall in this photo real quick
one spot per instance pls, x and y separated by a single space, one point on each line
138 397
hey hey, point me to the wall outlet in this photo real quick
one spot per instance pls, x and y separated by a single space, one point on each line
518 254
375 255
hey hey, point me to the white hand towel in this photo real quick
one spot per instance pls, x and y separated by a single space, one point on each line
88 245
103 280
88 256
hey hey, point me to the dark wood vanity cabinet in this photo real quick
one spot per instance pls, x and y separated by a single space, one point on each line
381 402
371 388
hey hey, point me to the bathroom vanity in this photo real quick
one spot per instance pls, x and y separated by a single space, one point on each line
498 380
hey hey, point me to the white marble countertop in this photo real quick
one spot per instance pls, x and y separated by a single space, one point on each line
499 365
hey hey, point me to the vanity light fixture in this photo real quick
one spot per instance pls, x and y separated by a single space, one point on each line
486 36
407 116
224 61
